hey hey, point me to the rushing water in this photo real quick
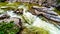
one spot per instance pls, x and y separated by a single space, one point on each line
38 22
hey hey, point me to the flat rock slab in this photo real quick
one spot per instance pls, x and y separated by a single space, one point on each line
16 21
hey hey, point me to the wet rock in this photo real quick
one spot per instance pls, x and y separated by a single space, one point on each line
49 14
19 11
17 21
58 7
32 11
45 10
49 3
51 17
4 16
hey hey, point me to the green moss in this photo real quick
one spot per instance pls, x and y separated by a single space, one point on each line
35 30
30 4
3 3
16 4
57 11
8 28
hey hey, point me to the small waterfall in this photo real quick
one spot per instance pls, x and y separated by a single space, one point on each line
36 21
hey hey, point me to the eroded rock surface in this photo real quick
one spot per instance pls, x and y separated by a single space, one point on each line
47 13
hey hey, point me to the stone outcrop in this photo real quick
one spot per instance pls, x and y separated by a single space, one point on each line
40 2
6 18
49 14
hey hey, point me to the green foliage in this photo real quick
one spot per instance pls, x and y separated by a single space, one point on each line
8 28
58 1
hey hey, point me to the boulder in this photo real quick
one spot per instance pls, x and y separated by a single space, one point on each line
49 14
45 10
17 21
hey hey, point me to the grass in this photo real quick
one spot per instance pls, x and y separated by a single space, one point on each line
34 30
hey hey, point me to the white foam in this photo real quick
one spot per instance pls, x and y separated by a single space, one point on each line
42 24
38 22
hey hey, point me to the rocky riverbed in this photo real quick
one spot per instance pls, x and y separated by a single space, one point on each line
31 19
